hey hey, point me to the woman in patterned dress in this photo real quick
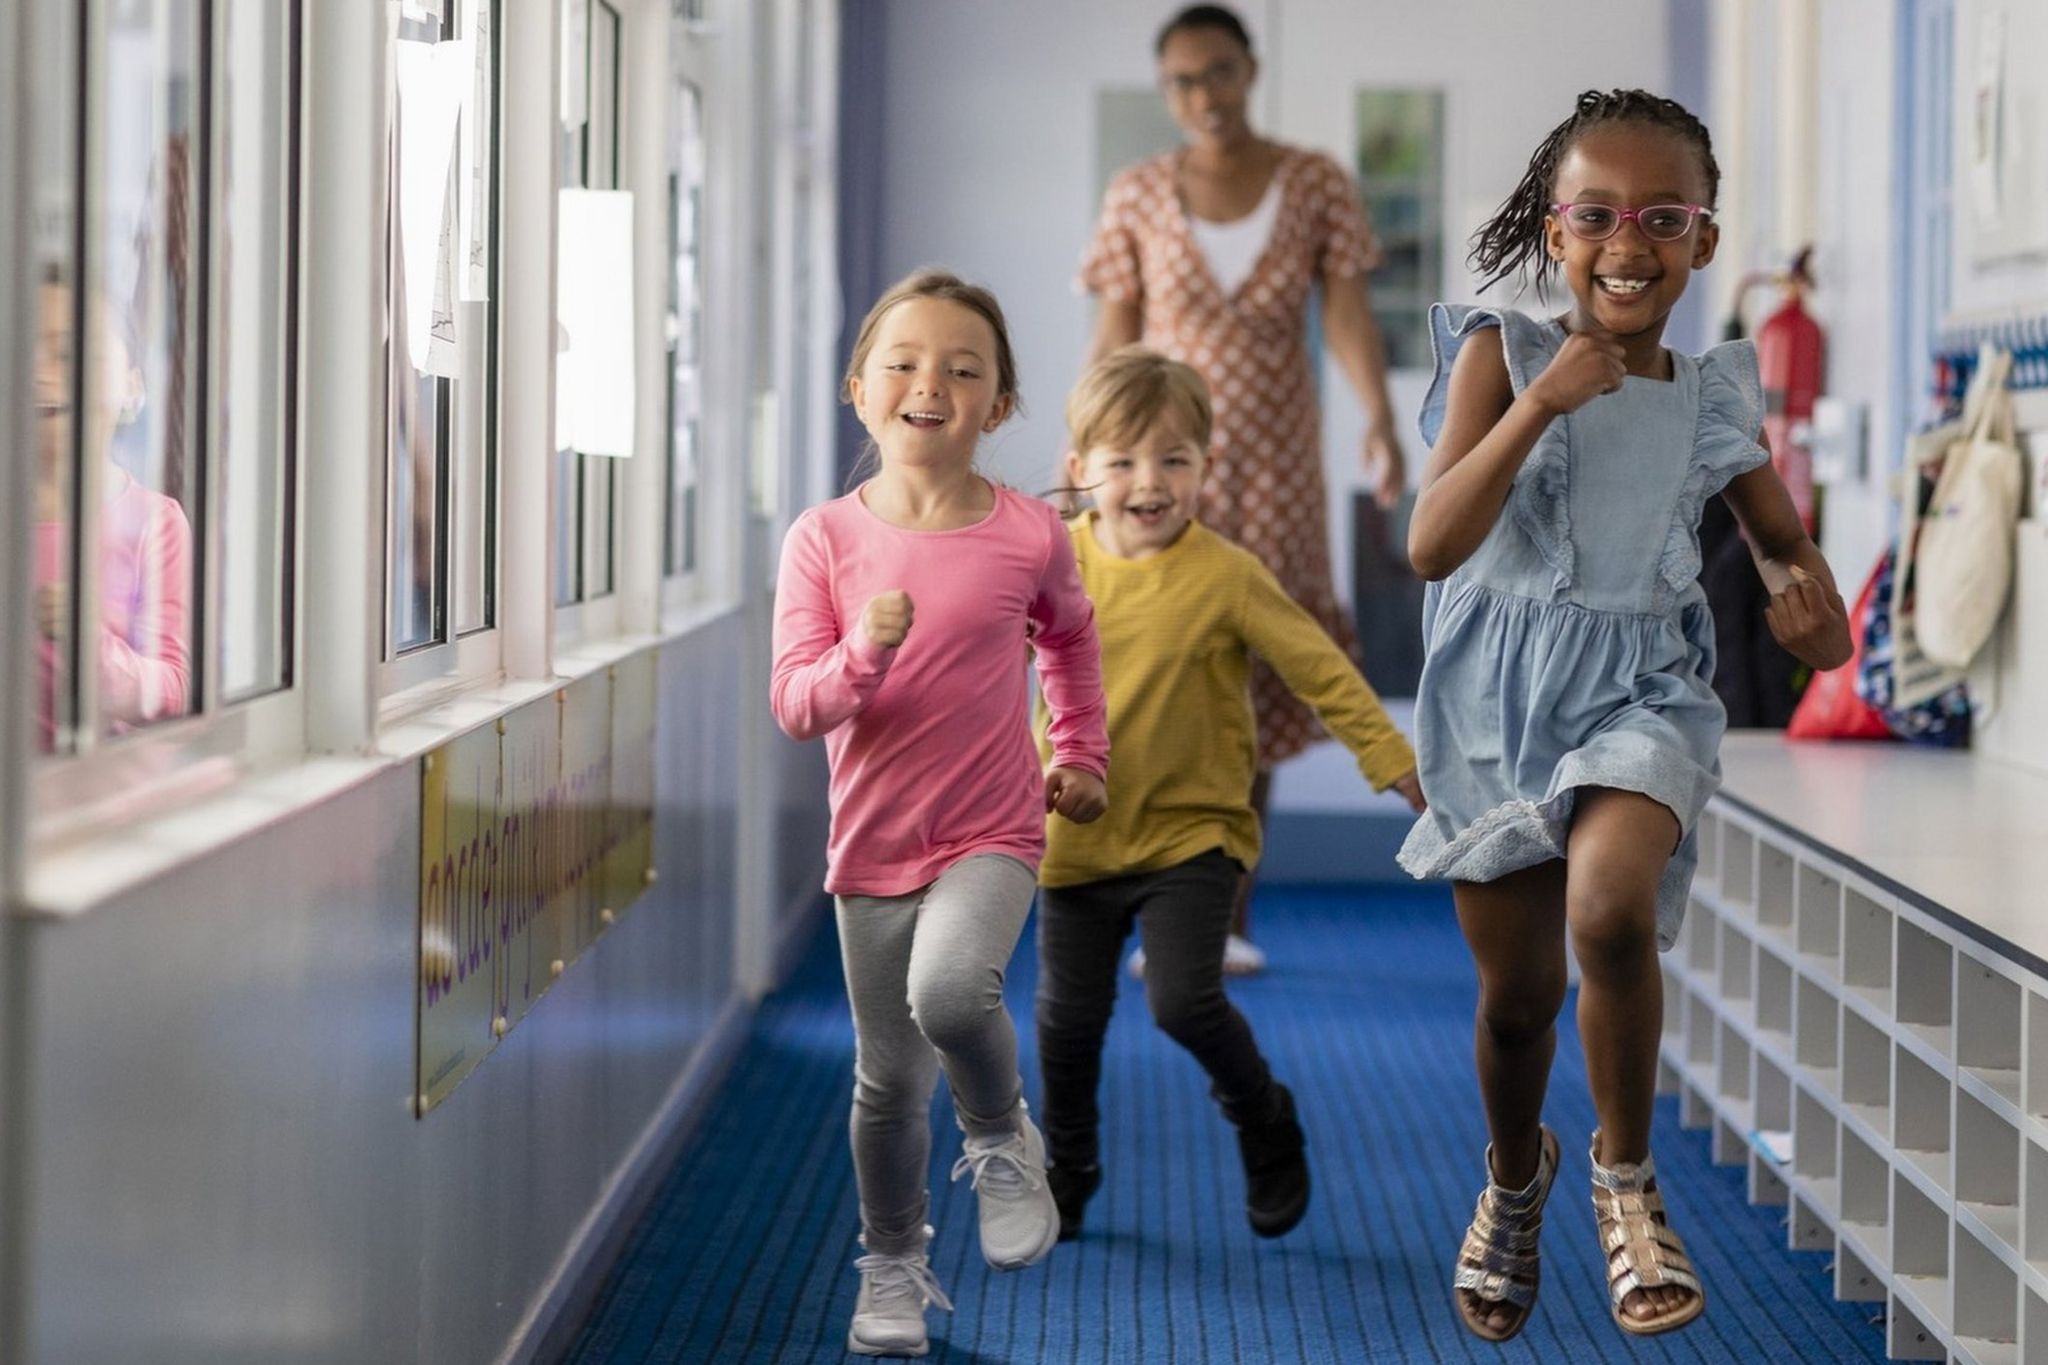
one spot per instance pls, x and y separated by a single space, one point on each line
1208 253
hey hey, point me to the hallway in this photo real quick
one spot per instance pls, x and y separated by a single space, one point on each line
746 1253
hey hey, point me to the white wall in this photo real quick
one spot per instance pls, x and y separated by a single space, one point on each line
990 161
1856 246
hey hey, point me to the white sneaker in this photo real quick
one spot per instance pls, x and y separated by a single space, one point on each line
1242 957
1019 1220
1137 963
888 1318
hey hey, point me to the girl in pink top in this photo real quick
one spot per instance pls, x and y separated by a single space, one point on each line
145 541
902 615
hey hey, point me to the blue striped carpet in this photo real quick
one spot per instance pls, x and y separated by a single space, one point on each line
746 1254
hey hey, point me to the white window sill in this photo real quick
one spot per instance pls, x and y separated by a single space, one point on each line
70 881
210 805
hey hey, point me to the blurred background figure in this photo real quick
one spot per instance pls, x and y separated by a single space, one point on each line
1210 253
144 608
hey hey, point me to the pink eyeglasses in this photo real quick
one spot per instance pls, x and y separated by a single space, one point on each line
1658 222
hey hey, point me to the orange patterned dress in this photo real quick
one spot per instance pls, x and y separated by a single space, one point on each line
1265 484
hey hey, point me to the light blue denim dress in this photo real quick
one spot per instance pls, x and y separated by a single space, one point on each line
1575 647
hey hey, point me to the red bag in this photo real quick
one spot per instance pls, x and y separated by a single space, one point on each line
1831 709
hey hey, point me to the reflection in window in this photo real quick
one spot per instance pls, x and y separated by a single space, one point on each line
441 318
56 379
587 486
138 424
685 328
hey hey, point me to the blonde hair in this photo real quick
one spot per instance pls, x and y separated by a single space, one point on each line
930 283
1128 392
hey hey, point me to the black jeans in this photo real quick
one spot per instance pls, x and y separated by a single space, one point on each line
1183 917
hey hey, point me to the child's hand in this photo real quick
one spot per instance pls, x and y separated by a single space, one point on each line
886 618
1075 793
52 601
1587 365
1809 620
1410 788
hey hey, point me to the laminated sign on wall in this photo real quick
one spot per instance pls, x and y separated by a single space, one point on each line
536 833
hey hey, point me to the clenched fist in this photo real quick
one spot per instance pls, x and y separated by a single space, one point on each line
1587 365
1809 620
1075 793
886 618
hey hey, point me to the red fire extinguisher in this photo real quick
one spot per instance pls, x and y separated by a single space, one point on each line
1791 354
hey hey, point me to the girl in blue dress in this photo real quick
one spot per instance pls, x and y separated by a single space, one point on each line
1566 720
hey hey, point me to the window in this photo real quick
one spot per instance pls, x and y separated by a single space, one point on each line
165 369
1400 157
587 486
254 349
441 342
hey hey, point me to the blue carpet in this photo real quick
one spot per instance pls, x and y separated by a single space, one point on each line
1366 1012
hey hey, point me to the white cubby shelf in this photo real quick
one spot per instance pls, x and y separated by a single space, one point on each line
1857 1008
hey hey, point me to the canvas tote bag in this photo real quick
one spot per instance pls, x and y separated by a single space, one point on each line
1966 543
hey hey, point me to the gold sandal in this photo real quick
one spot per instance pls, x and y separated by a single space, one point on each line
1642 1250
1498 1262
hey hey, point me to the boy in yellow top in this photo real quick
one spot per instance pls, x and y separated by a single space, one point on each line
1180 611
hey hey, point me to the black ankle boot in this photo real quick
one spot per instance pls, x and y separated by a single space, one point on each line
1072 1186
1275 1168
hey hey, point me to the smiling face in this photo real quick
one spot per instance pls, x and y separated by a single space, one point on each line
1206 75
927 390
1144 488
1628 282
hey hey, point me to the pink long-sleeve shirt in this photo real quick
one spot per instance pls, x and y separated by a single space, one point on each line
145 646
930 742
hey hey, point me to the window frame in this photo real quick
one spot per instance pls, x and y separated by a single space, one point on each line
725 422
420 676
95 779
585 615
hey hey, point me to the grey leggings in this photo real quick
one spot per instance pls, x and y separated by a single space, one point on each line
924 974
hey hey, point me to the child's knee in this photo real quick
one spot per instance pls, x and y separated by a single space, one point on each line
952 1012
1613 922
1181 1009
1521 1012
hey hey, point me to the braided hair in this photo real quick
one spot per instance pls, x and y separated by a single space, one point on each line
1512 241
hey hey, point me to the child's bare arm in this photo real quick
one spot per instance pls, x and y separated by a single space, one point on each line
1806 614
1488 431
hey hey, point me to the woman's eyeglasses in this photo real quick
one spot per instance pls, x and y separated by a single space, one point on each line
1658 222
1222 75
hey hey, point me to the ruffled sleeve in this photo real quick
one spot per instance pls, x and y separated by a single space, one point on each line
1345 244
1541 501
1731 413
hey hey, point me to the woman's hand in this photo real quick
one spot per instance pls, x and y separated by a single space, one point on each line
1410 788
1809 620
1589 364
886 618
1385 464
1075 793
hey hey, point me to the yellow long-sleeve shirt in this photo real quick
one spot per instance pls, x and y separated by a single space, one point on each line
1178 631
